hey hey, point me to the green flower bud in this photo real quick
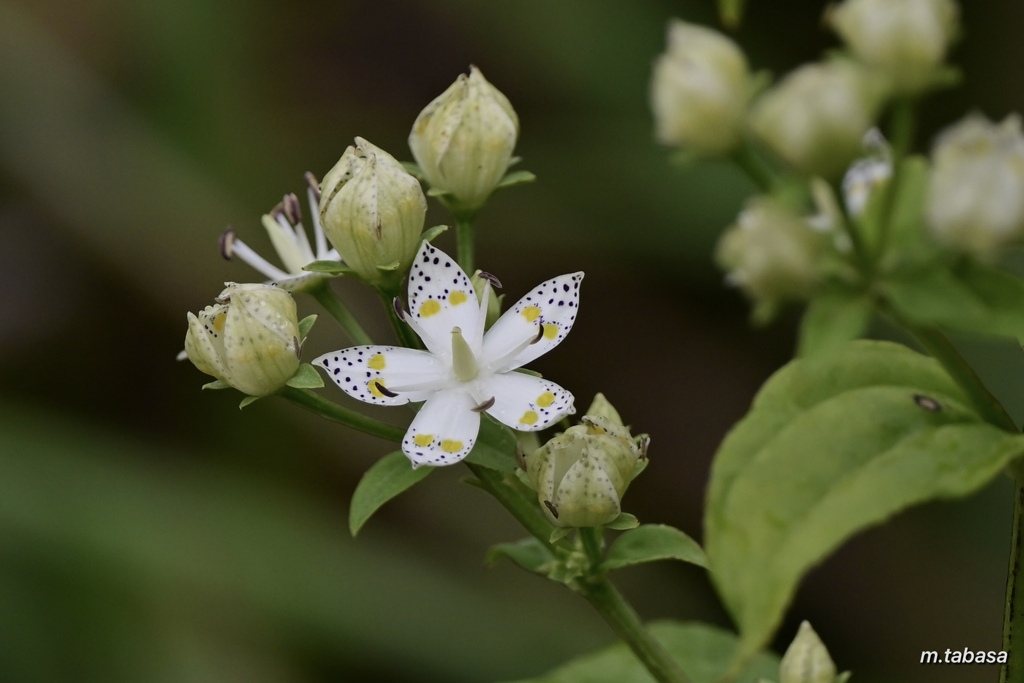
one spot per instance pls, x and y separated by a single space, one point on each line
581 475
807 660
976 192
249 339
816 117
372 211
463 140
700 90
772 254
906 40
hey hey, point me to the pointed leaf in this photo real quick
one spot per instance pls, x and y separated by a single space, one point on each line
831 446
623 522
703 652
516 178
305 325
430 233
529 553
306 377
216 385
247 401
328 268
389 476
652 542
413 169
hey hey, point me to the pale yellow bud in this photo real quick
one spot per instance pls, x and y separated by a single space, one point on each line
463 140
807 660
250 340
372 211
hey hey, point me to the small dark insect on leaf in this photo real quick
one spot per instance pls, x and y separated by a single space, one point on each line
927 403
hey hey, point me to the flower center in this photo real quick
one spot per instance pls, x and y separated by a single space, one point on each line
463 361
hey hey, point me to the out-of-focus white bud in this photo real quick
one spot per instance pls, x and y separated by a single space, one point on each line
772 254
373 211
906 40
700 90
250 339
816 117
463 140
976 191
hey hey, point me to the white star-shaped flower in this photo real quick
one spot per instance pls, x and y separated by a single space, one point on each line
464 371
288 235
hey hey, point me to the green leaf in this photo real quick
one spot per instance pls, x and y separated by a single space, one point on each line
305 325
529 553
970 296
217 385
247 401
328 268
515 178
306 377
652 542
413 169
623 522
559 532
836 315
495 446
906 226
389 476
703 652
731 12
431 233
831 446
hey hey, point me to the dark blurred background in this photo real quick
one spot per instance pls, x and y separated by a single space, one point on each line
152 532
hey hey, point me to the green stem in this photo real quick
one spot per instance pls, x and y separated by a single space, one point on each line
336 413
606 599
591 539
464 240
406 337
942 349
1013 616
756 168
520 506
901 138
333 305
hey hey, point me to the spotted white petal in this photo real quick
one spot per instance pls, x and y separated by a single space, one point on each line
444 430
544 316
441 298
525 402
385 375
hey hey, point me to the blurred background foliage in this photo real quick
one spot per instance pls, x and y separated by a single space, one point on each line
151 532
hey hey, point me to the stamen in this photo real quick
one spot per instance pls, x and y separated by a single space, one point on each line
314 184
645 442
290 205
495 282
486 405
384 390
540 334
399 308
313 196
226 242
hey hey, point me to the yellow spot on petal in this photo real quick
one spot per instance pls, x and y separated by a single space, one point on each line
423 440
372 385
528 418
451 446
457 298
376 362
545 399
429 308
531 313
218 322
550 330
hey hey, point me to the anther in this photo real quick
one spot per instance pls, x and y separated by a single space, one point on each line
486 405
226 242
384 390
399 309
551 506
540 334
290 206
314 184
495 282
645 442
